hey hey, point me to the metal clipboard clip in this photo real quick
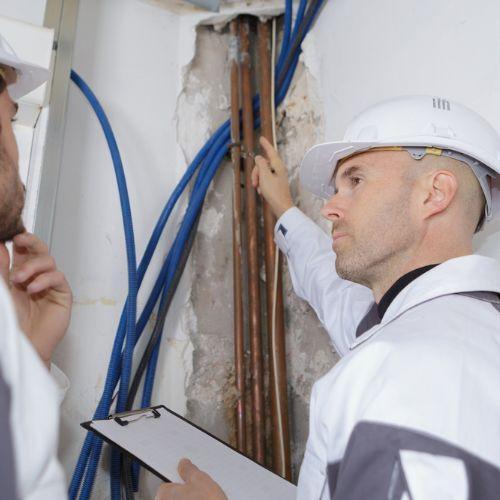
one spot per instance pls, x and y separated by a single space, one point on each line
127 417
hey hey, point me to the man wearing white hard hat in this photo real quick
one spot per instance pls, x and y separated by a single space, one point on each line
412 410
35 305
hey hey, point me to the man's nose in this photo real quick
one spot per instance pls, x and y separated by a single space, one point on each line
332 209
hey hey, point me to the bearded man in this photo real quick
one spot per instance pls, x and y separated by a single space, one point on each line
35 306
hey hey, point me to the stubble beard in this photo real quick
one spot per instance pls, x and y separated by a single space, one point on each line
14 227
373 250
11 198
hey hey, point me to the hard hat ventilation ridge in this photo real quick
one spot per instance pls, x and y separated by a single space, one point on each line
439 103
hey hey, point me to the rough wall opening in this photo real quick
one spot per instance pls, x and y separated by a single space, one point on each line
203 105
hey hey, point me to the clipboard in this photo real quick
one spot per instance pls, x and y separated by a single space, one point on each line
158 438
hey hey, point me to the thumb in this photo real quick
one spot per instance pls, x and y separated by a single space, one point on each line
187 469
255 176
4 263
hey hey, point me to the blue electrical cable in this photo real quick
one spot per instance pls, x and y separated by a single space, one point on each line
213 151
256 103
149 380
115 361
184 234
287 31
192 211
128 229
111 379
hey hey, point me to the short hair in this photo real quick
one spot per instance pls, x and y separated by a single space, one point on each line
470 192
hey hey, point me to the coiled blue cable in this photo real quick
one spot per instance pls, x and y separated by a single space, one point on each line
185 230
115 360
256 102
211 155
149 380
194 207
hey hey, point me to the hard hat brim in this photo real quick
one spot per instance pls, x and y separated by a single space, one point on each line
29 76
319 163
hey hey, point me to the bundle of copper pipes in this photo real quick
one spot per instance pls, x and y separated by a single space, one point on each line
248 328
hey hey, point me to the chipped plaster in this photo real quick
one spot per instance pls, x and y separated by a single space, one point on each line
202 106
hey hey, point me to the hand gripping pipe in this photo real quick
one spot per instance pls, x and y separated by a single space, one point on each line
128 333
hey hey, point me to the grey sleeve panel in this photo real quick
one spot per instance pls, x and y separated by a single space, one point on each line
371 466
7 463
491 297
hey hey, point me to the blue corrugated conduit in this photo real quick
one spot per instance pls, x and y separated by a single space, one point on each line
130 329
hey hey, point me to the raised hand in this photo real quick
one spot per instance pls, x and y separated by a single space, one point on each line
270 178
40 292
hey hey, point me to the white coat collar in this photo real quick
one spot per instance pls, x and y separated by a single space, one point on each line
471 273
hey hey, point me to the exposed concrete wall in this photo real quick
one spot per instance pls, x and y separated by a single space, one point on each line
210 392
205 102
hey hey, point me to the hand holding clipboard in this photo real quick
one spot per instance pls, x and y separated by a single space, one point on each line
197 485
159 438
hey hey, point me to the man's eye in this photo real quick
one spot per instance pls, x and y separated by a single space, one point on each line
355 180
12 120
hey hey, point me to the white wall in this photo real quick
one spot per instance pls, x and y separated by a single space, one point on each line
363 52
127 52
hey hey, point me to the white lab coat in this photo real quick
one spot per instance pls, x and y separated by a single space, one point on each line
413 406
35 396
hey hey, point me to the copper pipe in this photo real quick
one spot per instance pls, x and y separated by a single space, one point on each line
239 346
276 346
257 389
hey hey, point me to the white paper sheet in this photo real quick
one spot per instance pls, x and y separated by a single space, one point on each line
162 442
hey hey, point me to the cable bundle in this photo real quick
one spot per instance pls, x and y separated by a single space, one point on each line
204 165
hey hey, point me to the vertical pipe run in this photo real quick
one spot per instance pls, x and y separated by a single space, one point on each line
257 384
276 331
237 250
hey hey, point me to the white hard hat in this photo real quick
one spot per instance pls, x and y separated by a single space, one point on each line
29 76
424 122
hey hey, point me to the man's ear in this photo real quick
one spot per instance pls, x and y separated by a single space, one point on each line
441 187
